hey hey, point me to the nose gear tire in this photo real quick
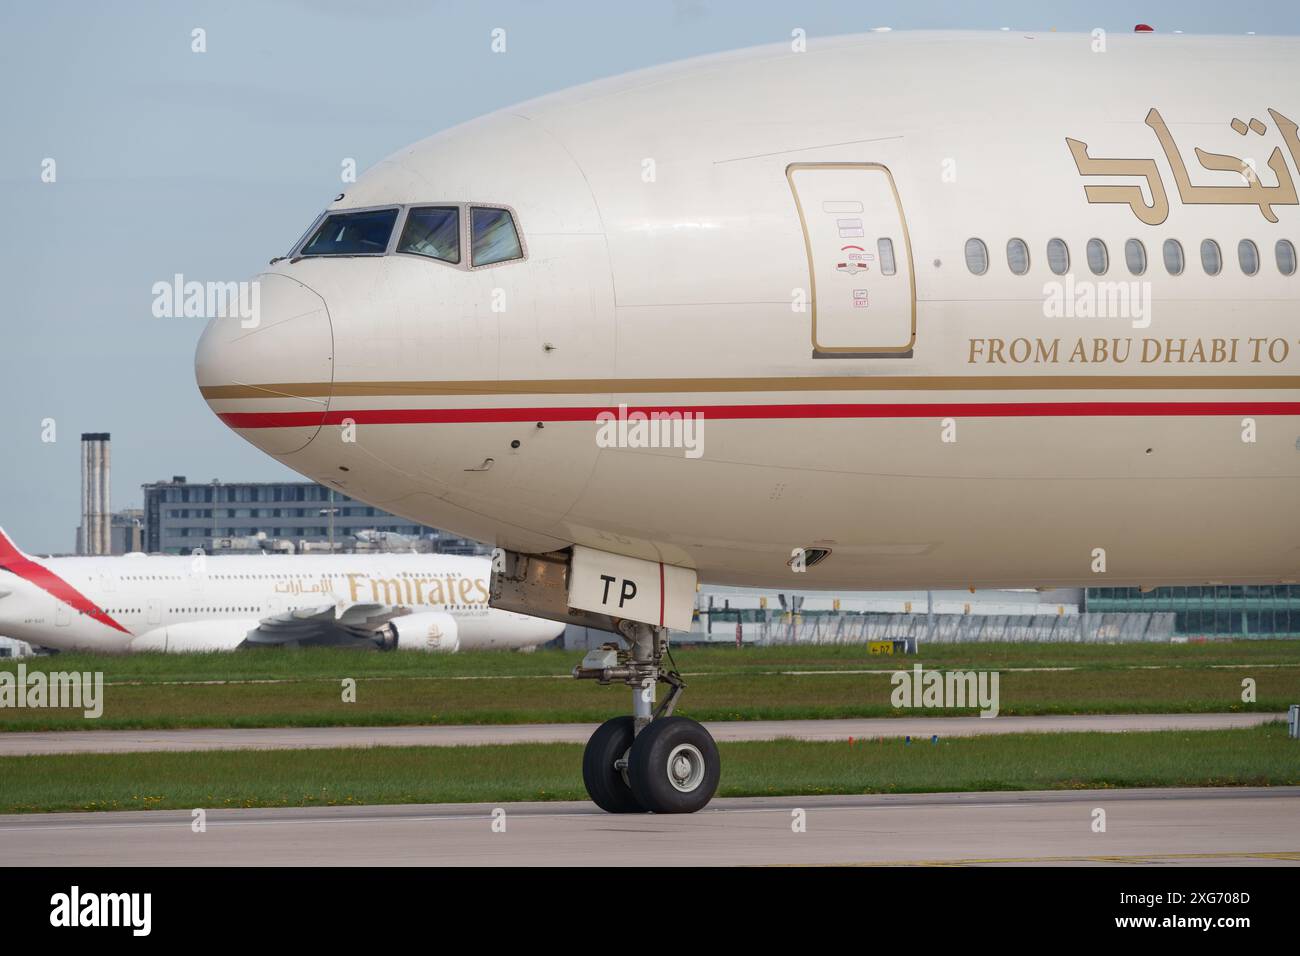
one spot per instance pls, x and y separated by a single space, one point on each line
606 784
673 766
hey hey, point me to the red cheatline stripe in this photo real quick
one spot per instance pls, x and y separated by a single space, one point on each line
448 416
47 580
661 594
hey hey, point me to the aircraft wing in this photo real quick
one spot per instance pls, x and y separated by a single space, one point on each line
326 624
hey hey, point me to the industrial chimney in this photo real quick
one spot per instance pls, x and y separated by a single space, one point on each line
96 517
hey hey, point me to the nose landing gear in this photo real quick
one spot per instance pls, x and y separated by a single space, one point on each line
652 760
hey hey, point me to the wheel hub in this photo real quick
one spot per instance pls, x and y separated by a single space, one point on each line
685 767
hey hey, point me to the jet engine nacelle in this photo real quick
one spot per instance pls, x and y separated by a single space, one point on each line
196 636
430 631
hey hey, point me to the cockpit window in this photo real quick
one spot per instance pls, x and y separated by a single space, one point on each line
352 234
432 231
495 238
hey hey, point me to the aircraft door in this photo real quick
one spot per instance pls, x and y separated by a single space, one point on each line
862 288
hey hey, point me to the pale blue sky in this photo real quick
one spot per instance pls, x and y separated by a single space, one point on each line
209 164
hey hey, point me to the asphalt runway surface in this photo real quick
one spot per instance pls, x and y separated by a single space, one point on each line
1166 827
282 738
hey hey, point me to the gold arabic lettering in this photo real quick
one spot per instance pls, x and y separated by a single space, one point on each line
1252 192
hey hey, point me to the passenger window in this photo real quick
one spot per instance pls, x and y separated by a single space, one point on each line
432 231
352 234
1135 256
1017 256
885 249
1098 260
1248 257
495 238
1173 257
1058 256
1285 252
1211 259
977 256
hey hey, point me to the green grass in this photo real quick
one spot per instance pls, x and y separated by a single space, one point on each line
497 774
269 688
320 663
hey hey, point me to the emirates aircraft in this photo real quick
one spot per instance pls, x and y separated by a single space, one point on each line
891 311
137 602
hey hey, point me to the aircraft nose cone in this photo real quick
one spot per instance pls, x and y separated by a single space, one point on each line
267 374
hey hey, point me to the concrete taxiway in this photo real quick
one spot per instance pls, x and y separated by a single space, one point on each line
293 738
1221 826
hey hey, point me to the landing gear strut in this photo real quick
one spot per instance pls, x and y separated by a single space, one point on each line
651 760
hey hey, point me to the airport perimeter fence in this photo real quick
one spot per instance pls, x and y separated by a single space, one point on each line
965 628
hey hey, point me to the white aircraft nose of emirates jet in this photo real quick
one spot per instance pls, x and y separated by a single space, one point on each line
285 327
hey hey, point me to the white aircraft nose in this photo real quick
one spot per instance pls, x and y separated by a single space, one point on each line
268 373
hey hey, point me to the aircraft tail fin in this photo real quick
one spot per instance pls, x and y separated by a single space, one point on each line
9 552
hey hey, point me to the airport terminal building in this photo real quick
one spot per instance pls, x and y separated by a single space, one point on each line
179 516
1264 610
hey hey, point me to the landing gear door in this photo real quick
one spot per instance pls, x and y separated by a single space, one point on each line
862 288
632 589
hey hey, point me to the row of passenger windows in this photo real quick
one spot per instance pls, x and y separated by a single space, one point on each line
430 231
1135 257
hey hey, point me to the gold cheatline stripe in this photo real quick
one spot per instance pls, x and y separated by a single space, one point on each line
803 383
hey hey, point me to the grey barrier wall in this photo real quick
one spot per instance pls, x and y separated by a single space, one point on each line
955 628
